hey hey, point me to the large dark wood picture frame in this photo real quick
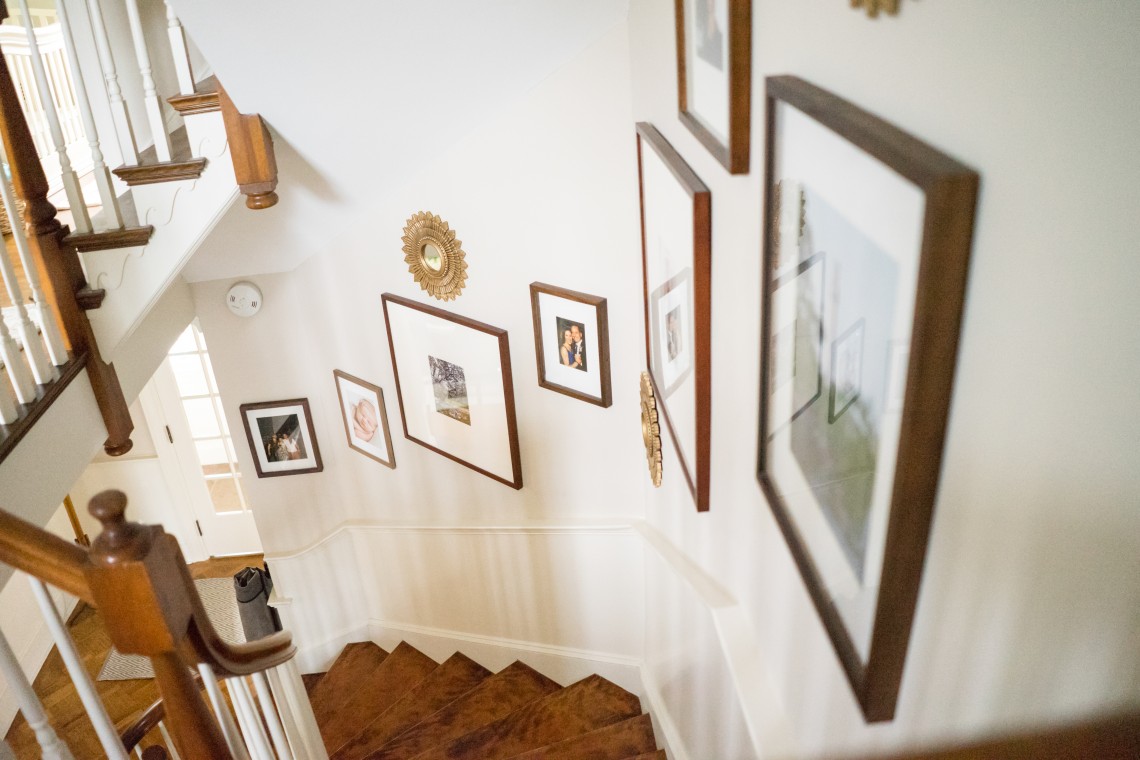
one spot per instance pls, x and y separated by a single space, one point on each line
461 413
949 191
735 154
309 459
697 275
601 339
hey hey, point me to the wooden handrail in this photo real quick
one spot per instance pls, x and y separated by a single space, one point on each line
44 555
135 730
58 263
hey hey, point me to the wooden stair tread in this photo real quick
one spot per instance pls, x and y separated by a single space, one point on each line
497 697
183 164
342 679
401 670
204 99
457 676
658 755
617 741
585 706
126 237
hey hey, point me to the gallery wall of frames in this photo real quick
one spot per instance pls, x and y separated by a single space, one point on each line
494 343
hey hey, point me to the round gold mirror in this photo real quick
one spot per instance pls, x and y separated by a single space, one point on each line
434 256
431 257
650 429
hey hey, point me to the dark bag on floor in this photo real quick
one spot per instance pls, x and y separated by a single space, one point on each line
252 586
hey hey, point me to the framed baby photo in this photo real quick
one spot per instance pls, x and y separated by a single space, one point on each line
676 238
867 236
714 76
281 437
572 342
365 418
453 380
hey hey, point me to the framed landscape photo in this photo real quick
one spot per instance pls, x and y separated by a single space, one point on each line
676 237
365 418
714 76
453 380
572 342
867 235
281 437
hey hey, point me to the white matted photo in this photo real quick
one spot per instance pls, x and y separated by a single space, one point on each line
571 342
281 437
453 381
365 417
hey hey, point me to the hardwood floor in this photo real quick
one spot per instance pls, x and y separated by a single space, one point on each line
123 699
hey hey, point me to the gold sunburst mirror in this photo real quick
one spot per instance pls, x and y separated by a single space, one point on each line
434 256
650 429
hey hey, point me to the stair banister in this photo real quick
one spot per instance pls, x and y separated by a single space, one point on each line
60 265
37 363
124 130
70 179
44 555
151 101
51 748
99 168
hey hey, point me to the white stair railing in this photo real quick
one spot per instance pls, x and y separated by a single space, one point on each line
51 748
222 713
81 219
150 92
124 131
180 52
112 215
269 710
108 736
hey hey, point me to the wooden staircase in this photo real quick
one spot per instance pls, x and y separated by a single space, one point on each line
375 705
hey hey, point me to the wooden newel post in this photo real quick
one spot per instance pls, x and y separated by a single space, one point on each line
58 264
136 579
251 149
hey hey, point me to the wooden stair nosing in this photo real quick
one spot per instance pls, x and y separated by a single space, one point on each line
632 737
340 682
204 99
183 164
456 676
585 706
125 237
403 669
90 298
498 696
658 755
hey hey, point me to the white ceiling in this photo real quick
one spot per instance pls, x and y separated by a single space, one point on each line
358 95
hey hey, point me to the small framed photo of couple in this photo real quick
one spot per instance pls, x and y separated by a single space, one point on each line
572 343
453 380
281 437
365 418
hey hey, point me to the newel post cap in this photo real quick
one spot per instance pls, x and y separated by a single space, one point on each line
120 540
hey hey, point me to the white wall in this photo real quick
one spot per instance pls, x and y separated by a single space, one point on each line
1030 605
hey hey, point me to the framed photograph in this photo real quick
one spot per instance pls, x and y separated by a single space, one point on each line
281 437
714 76
867 235
365 418
676 242
453 380
572 342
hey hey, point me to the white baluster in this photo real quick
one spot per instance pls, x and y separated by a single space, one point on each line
124 132
41 372
292 729
57 353
181 54
248 719
170 748
71 187
269 710
18 372
108 736
150 90
99 168
222 712
8 411
51 747
292 697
